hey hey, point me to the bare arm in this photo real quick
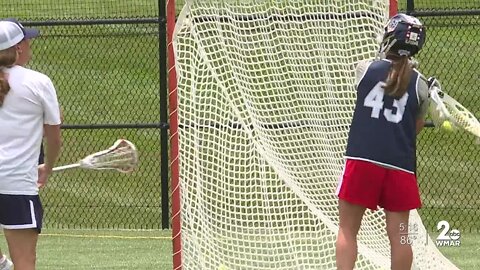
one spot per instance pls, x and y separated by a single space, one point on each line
51 129
424 101
420 124
54 144
53 138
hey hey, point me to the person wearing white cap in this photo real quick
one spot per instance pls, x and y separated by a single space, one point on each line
23 58
28 102
25 53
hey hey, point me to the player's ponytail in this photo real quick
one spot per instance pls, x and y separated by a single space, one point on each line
7 59
403 37
399 76
4 86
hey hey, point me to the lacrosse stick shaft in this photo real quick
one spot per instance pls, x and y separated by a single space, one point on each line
65 167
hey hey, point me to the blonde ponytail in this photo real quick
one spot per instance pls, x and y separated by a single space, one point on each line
7 59
398 77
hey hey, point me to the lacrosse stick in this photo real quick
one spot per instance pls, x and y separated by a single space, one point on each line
121 156
445 108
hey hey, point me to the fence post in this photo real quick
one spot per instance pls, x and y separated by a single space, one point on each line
410 6
163 92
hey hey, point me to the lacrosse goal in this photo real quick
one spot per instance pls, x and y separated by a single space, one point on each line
261 98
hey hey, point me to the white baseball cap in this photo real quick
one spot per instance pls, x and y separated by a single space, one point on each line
28 32
10 34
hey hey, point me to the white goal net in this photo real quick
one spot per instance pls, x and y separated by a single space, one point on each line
266 91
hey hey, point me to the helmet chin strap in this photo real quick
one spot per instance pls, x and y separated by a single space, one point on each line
403 53
384 48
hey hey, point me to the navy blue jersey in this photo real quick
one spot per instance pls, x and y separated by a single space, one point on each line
383 128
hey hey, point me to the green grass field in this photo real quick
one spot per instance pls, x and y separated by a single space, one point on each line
464 257
103 249
152 250
110 74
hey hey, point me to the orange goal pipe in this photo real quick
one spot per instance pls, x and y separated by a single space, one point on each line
174 141
393 8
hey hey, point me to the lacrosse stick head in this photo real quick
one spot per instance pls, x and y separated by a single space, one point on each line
121 156
437 109
444 107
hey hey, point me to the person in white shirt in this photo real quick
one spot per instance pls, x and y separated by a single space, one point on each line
24 56
28 108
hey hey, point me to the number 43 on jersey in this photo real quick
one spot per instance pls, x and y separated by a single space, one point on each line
374 100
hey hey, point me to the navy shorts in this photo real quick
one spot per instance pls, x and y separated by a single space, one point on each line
21 212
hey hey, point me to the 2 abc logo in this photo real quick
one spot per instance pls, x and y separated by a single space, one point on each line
447 237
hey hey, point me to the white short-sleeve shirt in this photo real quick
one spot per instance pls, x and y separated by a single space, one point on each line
30 103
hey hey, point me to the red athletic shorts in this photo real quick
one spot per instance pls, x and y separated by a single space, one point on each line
368 184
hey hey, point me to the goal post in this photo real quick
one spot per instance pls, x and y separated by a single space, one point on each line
174 139
261 98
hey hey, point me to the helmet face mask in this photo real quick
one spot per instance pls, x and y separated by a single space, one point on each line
404 35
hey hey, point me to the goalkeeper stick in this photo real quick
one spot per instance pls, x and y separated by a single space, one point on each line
121 156
445 108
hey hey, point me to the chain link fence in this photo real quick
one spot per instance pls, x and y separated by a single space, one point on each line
449 176
61 10
106 61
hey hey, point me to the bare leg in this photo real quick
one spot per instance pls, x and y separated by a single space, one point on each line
401 251
22 245
349 224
